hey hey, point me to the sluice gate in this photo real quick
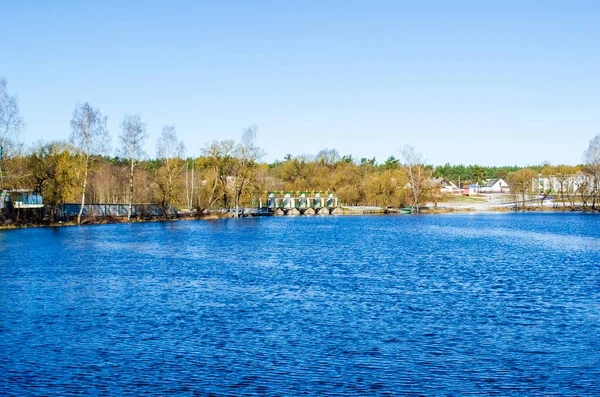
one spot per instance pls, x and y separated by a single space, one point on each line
299 203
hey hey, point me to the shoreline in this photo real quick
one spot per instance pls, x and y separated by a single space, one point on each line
425 211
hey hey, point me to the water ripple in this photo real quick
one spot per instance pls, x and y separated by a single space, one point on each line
446 305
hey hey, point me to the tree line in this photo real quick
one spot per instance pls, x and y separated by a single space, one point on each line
228 174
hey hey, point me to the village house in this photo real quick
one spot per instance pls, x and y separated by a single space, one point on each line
472 189
558 183
494 185
445 185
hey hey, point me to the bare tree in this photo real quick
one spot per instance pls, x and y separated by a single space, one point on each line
564 176
328 157
189 181
583 188
545 183
90 136
521 183
11 123
133 135
219 157
413 162
170 152
592 162
192 166
244 165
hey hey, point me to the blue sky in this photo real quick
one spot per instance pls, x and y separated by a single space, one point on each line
492 83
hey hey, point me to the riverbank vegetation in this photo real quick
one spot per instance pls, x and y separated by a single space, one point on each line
231 174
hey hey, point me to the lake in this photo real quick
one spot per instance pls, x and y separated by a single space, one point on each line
504 304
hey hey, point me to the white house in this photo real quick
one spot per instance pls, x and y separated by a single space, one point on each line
494 185
445 185
557 183
472 189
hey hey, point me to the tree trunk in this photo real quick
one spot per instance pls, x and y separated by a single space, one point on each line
192 190
594 191
169 193
415 189
237 204
85 175
187 189
52 214
130 190
238 194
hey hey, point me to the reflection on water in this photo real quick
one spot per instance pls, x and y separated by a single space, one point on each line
435 305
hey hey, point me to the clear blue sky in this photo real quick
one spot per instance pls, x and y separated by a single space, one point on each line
505 82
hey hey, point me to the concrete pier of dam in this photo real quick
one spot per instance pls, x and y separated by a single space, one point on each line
300 200
306 204
298 203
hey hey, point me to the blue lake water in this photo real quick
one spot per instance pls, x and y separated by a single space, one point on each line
505 304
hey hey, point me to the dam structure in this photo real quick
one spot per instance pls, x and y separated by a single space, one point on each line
299 203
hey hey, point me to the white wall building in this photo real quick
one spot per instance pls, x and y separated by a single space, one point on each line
445 185
494 185
556 183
